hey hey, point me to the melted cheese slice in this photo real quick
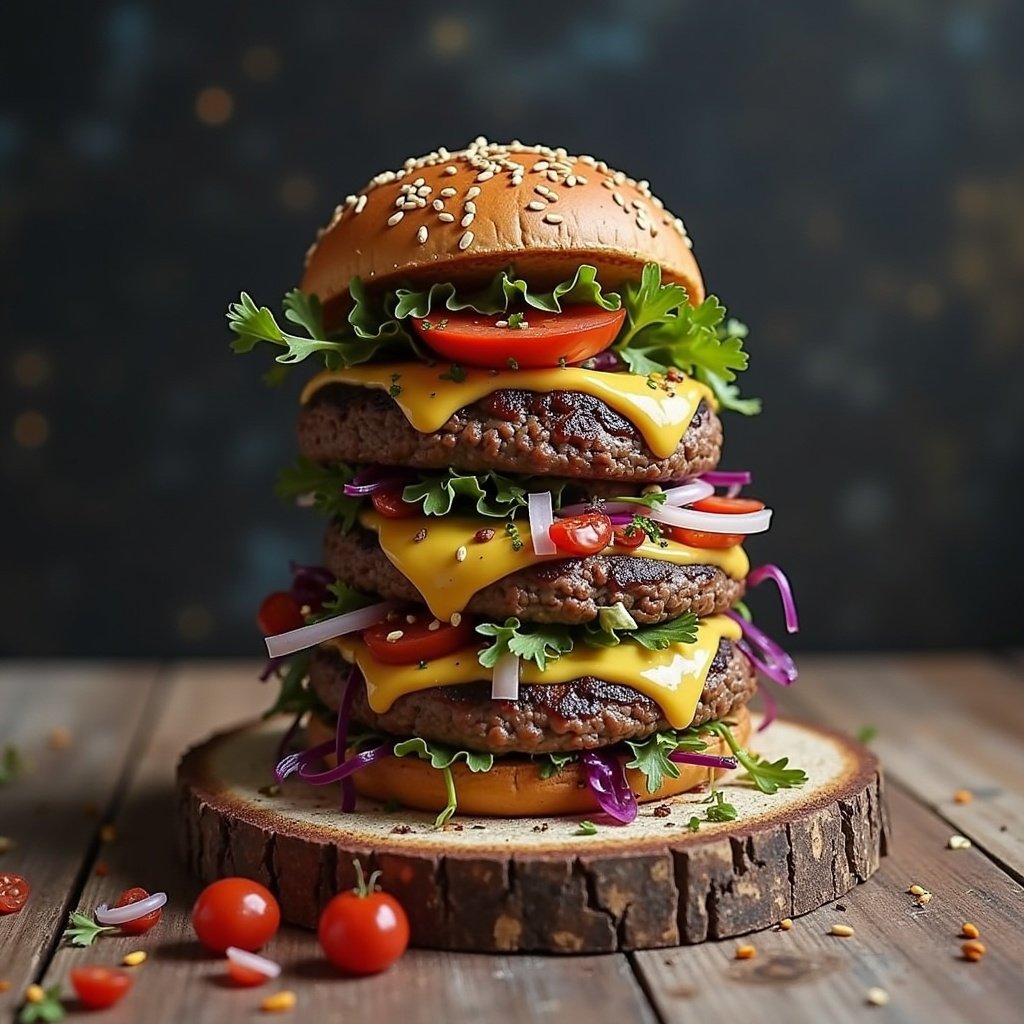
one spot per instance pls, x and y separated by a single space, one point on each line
673 678
428 402
432 566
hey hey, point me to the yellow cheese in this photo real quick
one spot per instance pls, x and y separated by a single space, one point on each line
673 678
433 566
661 413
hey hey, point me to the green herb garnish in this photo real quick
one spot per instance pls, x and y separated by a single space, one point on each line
11 764
84 931
587 828
49 1008
768 776
442 758
537 641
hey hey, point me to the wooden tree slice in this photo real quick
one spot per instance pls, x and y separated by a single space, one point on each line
537 884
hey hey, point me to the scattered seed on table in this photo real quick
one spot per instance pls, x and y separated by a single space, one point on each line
917 890
5 986
134 958
59 738
973 950
963 796
844 931
958 843
786 923
745 952
877 997
969 931
108 833
279 1002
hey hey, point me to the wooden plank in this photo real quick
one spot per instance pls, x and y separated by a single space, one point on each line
945 723
179 982
911 951
53 809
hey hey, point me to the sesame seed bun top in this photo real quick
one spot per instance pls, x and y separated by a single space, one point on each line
463 216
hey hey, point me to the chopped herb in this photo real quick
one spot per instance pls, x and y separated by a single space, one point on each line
84 931
516 322
693 824
423 664
513 531
455 373
651 759
513 364
587 828
719 809
562 362
46 1008
396 389
537 642
426 325
554 762
768 776
442 758
866 733
442 324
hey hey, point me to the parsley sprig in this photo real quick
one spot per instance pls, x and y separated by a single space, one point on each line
442 758
48 1008
84 931
768 776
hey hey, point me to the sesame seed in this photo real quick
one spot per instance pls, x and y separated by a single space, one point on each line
581 179
746 952
501 323
438 204
394 636
466 240
553 218
517 179
618 177
395 218
536 204
959 843
424 190
844 931
456 619
461 553
786 923
617 196
470 206
449 192
421 234
877 997
474 191
571 180
418 181
540 165
360 204
608 183
411 619
451 169
467 220
552 175
485 175
401 200
446 217
434 626
541 190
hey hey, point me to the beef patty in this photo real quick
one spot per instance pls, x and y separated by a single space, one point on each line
579 715
569 591
557 433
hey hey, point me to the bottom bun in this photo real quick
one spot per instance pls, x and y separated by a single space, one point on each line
513 788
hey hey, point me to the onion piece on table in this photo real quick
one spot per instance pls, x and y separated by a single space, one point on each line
252 962
282 644
132 912
541 518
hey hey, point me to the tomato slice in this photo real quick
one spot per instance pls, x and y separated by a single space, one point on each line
246 976
279 613
728 506
415 641
14 893
388 502
585 534
473 339
629 537
702 538
100 987
140 924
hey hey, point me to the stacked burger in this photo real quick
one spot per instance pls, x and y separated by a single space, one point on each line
530 601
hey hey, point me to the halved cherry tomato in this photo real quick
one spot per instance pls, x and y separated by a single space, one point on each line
235 912
14 893
388 502
100 987
140 924
702 538
245 976
415 641
728 506
472 339
585 534
279 613
629 537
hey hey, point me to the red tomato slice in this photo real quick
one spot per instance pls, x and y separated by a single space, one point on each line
140 924
388 502
100 987
702 538
417 642
14 893
582 535
245 976
728 506
629 537
472 339
279 613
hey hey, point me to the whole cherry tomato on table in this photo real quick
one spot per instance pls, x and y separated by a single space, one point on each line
235 912
100 987
140 924
584 534
363 931
14 893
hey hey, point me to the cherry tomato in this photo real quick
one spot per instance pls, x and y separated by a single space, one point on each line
100 987
629 537
245 976
235 912
279 613
363 931
472 339
728 506
418 642
702 538
140 924
585 534
388 502
14 893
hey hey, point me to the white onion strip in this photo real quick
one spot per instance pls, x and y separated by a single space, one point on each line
695 490
541 518
283 644
252 962
714 522
132 912
505 681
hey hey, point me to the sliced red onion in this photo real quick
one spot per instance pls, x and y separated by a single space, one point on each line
541 518
622 518
252 962
607 781
132 912
722 478
714 522
773 572
282 644
505 681
771 708
269 669
606 360
609 508
363 490
688 492
344 770
764 653
704 760
293 762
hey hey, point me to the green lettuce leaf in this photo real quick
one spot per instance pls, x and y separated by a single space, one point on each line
326 484
538 642
491 494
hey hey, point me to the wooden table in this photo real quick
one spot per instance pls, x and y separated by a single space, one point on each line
945 723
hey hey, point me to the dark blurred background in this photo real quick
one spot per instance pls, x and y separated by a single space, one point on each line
852 174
